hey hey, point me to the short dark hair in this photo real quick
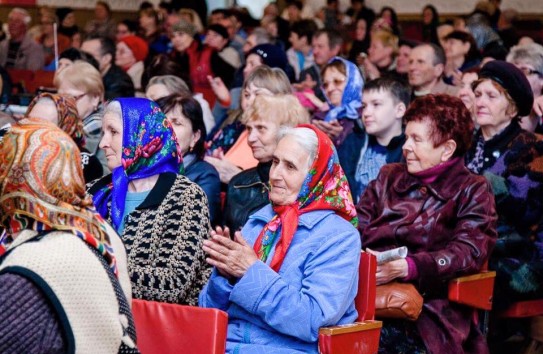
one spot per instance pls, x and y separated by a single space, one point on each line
107 45
193 111
465 37
439 53
304 28
448 117
131 25
398 89
105 5
334 36
299 5
74 54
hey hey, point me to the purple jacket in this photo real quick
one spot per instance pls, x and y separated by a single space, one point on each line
449 228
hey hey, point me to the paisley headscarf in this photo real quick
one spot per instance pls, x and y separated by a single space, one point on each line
324 188
149 148
351 100
68 118
42 187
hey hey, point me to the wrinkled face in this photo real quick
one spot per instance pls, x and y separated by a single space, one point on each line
455 48
181 41
333 83
124 57
122 31
249 94
69 20
419 151
290 165
156 91
421 69
45 109
378 52
86 103
491 107
534 78
361 29
112 139
262 138
381 115
322 51
182 127
402 60
215 40
253 61
16 25
466 93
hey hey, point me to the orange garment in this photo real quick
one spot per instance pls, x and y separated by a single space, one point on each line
240 154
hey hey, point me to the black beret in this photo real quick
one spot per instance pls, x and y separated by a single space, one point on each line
513 81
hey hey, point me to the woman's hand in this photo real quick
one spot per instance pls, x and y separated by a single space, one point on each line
389 271
333 129
219 88
232 258
371 70
226 169
538 106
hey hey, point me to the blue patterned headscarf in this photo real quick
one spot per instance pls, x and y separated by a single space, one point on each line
149 148
351 100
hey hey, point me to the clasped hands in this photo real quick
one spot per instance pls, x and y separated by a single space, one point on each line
232 258
389 271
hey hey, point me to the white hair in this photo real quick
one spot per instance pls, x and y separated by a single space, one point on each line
26 19
532 53
305 137
114 107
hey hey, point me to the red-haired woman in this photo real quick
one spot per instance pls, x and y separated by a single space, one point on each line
443 214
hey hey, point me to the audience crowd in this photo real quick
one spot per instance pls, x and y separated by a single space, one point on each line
242 164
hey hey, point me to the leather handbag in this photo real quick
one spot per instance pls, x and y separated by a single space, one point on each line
398 300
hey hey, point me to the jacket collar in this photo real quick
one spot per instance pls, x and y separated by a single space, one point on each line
501 140
307 220
444 187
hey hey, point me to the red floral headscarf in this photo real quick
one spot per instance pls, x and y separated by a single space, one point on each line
324 188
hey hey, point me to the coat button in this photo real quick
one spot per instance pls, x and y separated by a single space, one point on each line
441 261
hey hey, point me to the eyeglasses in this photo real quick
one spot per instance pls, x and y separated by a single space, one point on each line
336 83
528 72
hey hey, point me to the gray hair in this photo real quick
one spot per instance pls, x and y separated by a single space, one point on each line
305 137
261 36
114 107
173 84
532 53
26 16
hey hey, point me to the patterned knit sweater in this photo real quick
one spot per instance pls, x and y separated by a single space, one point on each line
163 239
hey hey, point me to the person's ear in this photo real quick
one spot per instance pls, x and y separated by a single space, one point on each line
438 70
107 59
449 147
195 137
400 110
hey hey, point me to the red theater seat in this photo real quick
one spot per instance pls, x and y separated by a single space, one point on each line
164 328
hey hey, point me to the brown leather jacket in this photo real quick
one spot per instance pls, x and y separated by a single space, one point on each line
449 228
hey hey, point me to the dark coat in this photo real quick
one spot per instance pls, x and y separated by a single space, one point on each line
513 162
206 176
117 83
448 227
247 192
350 151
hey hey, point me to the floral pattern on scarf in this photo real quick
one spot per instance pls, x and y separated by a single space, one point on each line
324 188
149 148
68 117
42 187
351 100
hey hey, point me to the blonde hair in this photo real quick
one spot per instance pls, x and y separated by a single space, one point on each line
83 76
387 38
273 79
284 110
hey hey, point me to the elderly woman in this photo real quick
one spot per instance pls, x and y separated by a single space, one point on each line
185 116
84 83
294 266
130 53
161 215
63 281
443 214
165 85
510 158
342 85
62 111
248 190
229 139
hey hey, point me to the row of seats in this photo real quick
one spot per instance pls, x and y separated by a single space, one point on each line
31 81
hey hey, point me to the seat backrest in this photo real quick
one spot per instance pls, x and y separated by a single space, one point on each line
170 328
365 298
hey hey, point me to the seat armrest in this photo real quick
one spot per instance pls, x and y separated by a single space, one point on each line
473 290
353 338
